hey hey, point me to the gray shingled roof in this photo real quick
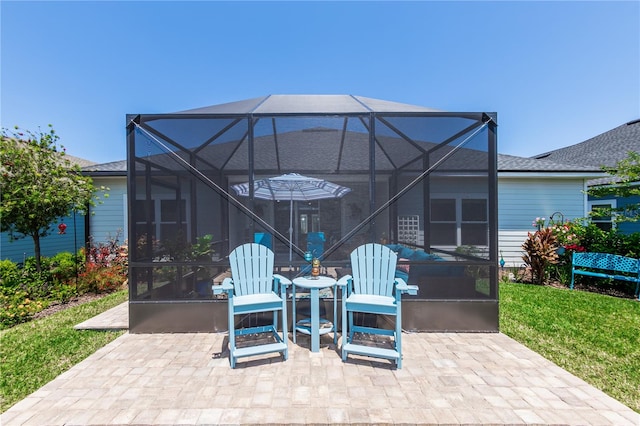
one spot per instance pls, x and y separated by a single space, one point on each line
510 163
602 150
115 168
82 162
506 163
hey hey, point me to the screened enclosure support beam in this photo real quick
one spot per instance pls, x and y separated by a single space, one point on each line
343 136
217 135
372 169
235 149
406 189
226 195
458 135
251 172
370 131
275 140
401 134
426 199
493 200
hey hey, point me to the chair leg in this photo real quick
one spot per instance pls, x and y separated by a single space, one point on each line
285 330
232 340
398 336
345 331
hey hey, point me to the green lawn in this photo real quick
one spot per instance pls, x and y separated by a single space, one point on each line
593 336
34 353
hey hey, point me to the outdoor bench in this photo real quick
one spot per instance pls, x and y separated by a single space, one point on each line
606 266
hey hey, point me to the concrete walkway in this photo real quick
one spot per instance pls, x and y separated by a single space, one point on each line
447 378
116 318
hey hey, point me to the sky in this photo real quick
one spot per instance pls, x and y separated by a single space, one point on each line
555 72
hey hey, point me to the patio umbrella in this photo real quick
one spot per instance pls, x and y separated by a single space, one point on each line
292 187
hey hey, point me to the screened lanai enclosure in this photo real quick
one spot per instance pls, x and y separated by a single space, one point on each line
419 180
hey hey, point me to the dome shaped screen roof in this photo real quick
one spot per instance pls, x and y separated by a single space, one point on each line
308 104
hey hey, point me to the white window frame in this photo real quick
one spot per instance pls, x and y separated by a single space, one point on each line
611 202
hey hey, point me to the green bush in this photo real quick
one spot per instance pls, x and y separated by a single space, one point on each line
65 266
24 291
16 307
9 274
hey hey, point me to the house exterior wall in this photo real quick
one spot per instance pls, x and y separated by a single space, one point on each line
109 217
18 250
521 200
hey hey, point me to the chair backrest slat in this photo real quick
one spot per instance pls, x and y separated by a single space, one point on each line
373 269
252 269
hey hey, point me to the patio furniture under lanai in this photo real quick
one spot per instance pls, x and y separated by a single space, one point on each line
418 178
373 289
254 288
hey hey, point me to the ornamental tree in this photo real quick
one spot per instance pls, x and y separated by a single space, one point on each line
626 183
38 185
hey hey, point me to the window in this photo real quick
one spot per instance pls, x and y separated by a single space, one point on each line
604 222
168 217
459 221
443 222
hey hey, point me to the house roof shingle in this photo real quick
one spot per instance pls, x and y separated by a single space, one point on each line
605 149
506 163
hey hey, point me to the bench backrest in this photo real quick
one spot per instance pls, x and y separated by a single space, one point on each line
612 262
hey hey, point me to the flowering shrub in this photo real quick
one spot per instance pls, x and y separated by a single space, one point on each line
575 247
24 291
566 235
98 278
574 236
106 267
107 254
538 222
16 307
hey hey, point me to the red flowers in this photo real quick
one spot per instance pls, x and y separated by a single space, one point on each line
575 247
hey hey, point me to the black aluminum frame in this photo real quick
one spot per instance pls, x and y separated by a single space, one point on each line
461 311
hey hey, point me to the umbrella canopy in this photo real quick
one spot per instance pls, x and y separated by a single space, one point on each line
292 187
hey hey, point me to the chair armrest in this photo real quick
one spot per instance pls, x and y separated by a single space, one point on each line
405 288
283 280
227 285
344 280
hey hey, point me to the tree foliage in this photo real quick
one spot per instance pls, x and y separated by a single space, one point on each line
38 184
627 184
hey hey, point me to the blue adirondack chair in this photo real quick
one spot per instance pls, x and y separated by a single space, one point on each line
373 289
254 288
264 239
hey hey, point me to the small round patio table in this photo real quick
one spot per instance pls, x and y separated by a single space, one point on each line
311 326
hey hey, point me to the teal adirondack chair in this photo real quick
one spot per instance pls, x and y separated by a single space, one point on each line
373 289
254 288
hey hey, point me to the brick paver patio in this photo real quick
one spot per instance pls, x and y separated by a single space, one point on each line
447 378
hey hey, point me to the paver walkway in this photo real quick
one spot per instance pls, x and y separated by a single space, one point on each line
447 378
